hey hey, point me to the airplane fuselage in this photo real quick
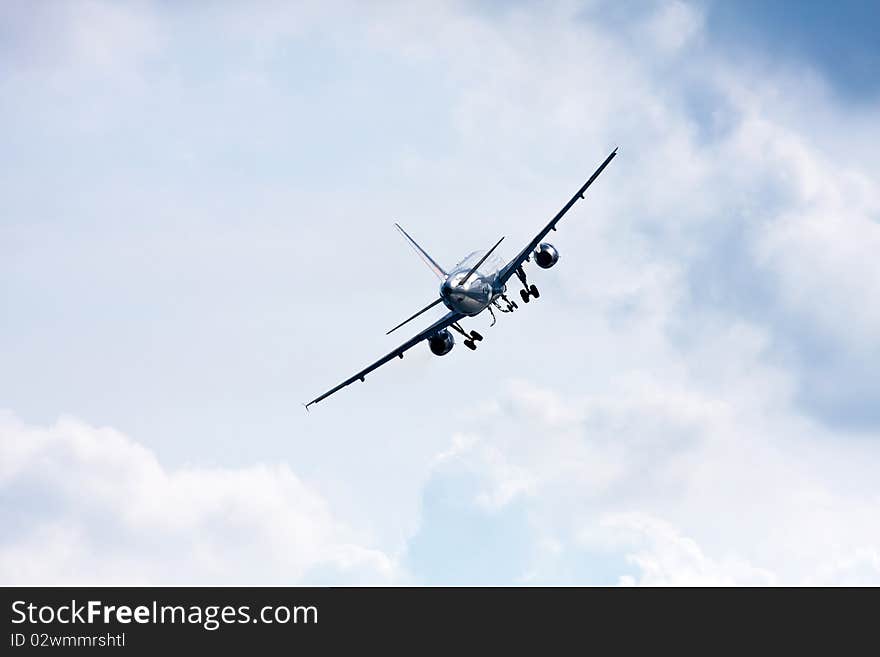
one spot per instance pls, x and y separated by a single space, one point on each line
474 296
475 284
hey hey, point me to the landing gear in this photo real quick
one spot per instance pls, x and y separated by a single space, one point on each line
528 291
511 306
470 339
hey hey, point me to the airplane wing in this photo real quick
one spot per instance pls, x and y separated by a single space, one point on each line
439 325
508 270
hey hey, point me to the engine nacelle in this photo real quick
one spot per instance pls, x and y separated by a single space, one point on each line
441 343
546 255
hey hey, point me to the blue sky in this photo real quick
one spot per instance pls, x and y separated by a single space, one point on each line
839 41
198 236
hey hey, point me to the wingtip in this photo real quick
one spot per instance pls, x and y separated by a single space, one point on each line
306 406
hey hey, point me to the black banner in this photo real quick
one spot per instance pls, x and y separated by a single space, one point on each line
147 620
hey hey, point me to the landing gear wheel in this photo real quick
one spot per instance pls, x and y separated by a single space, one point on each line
524 295
470 344
534 291
476 337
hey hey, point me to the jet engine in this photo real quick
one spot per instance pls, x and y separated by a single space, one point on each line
441 343
546 255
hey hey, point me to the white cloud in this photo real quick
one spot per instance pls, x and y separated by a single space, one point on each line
86 505
693 487
84 40
666 558
672 26
657 385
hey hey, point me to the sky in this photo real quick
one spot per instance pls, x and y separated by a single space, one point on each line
197 237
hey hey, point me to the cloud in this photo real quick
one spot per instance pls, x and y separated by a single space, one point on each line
87 505
83 40
672 26
664 557
689 486
698 396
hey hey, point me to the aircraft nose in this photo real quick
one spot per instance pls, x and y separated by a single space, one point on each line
450 291
445 288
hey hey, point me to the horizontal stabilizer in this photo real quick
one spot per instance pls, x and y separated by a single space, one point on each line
482 260
409 319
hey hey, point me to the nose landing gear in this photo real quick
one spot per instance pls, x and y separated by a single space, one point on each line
510 305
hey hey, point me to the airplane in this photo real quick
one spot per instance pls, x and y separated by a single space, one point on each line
477 283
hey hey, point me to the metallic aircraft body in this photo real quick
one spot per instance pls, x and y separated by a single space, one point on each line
477 283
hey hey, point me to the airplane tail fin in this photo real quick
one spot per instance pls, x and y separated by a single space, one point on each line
432 264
